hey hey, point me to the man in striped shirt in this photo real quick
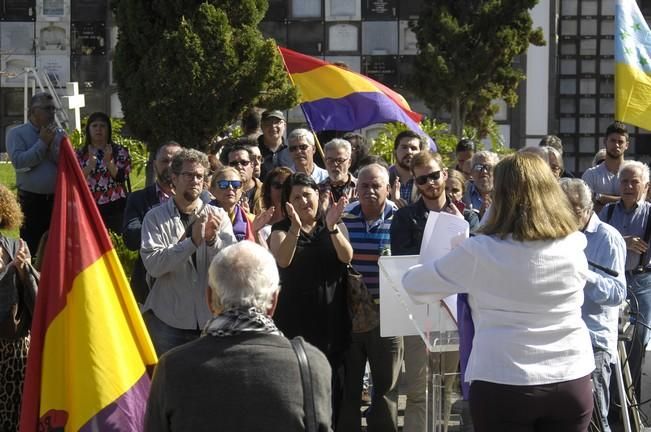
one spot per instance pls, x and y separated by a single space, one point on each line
369 225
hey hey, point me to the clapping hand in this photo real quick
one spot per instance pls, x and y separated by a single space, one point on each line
333 216
294 218
21 259
263 219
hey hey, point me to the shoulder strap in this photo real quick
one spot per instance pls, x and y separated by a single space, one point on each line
306 379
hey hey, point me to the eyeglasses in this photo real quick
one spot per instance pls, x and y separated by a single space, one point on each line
49 108
433 176
277 185
243 163
340 161
225 184
189 176
483 167
301 147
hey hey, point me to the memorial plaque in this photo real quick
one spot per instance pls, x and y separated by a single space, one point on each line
410 9
305 37
88 38
408 44
14 68
379 37
13 103
344 10
353 63
18 10
379 9
587 105
569 7
276 30
52 10
405 69
568 67
589 7
96 100
608 27
305 8
569 27
17 38
589 27
89 71
343 37
89 10
568 106
381 68
57 68
52 38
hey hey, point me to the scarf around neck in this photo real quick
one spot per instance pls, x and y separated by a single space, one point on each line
238 321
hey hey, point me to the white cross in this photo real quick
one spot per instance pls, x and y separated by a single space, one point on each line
74 101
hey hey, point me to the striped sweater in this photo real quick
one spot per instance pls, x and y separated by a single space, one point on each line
368 241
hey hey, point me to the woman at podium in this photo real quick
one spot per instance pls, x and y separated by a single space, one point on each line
524 273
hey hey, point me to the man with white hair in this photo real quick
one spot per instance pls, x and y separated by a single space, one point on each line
340 181
368 222
602 298
242 374
630 216
301 150
478 192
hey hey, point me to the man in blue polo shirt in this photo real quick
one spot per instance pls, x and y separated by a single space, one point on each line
369 226
34 151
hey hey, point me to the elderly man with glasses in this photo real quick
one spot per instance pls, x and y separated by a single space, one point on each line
179 239
477 196
301 150
340 181
34 150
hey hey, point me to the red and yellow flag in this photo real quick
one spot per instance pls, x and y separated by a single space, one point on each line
89 350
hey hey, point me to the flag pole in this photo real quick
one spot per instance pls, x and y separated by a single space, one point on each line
307 118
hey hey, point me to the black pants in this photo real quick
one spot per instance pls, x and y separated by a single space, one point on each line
37 209
559 407
113 215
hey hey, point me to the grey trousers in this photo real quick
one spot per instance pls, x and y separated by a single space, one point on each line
385 357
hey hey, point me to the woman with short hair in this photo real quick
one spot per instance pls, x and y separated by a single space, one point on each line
524 273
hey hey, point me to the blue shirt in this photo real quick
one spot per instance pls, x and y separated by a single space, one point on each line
629 223
369 240
34 162
600 311
406 187
472 198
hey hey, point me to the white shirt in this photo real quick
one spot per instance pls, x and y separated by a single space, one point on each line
601 180
526 301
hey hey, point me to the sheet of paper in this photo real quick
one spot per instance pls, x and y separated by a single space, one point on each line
443 232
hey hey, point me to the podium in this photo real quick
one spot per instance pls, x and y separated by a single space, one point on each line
433 324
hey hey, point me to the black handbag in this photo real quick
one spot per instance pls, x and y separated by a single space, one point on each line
363 311
17 300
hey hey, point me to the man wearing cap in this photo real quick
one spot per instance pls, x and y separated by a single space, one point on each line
272 142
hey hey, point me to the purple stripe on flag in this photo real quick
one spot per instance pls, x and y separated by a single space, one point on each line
127 413
355 111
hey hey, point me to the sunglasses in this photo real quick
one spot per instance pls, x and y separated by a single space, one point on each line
239 162
483 167
225 184
433 176
301 147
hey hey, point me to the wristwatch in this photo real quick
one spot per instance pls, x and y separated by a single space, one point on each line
334 231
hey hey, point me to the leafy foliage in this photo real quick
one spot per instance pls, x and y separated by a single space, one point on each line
446 141
187 68
467 50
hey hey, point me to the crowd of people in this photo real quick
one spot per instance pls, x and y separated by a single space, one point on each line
250 245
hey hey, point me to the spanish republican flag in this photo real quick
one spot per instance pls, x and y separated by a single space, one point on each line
632 65
333 98
89 350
